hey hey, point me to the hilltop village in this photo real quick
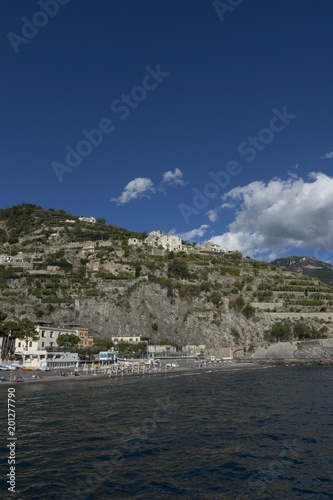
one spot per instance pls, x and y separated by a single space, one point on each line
71 274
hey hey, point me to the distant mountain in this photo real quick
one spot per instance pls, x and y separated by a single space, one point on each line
308 266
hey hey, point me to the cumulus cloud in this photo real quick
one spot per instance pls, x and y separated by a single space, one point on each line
272 217
327 156
212 215
174 178
195 233
135 189
142 187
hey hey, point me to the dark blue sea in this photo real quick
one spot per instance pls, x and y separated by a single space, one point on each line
263 433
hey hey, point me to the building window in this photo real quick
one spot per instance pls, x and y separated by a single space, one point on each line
19 344
51 344
43 334
51 335
43 344
30 343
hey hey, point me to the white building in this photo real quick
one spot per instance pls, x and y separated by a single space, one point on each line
155 239
162 350
4 258
212 247
132 339
171 242
48 337
135 242
193 350
50 360
92 220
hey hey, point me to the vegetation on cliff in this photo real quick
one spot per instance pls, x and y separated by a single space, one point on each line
60 270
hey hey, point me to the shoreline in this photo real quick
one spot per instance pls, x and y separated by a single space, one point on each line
37 376
53 376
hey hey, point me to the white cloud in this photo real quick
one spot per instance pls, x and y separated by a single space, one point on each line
212 215
137 188
174 178
194 233
327 156
291 172
141 187
272 217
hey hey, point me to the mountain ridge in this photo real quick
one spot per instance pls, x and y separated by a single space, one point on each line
309 266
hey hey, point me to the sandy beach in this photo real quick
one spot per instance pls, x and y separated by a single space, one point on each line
185 366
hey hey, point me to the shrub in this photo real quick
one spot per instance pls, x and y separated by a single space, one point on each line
235 333
280 332
215 298
178 268
249 311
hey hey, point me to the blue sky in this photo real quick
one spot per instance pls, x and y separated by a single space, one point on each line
210 119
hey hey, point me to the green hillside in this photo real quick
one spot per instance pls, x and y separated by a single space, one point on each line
60 270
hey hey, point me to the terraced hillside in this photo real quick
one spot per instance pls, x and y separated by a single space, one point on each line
61 270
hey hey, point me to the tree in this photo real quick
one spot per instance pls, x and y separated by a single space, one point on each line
27 331
178 268
68 340
302 331
101 344
3 315
138 270
9 331
132 349
280 332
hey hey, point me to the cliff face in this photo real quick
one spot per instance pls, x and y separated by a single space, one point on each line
148 311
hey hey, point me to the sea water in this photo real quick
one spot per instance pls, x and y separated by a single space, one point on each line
263 433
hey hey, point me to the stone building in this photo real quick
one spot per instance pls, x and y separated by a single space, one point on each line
155 239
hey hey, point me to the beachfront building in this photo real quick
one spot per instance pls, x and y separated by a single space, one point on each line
194 350
107 357
162 350
48 337
86 340
131 339
46 360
